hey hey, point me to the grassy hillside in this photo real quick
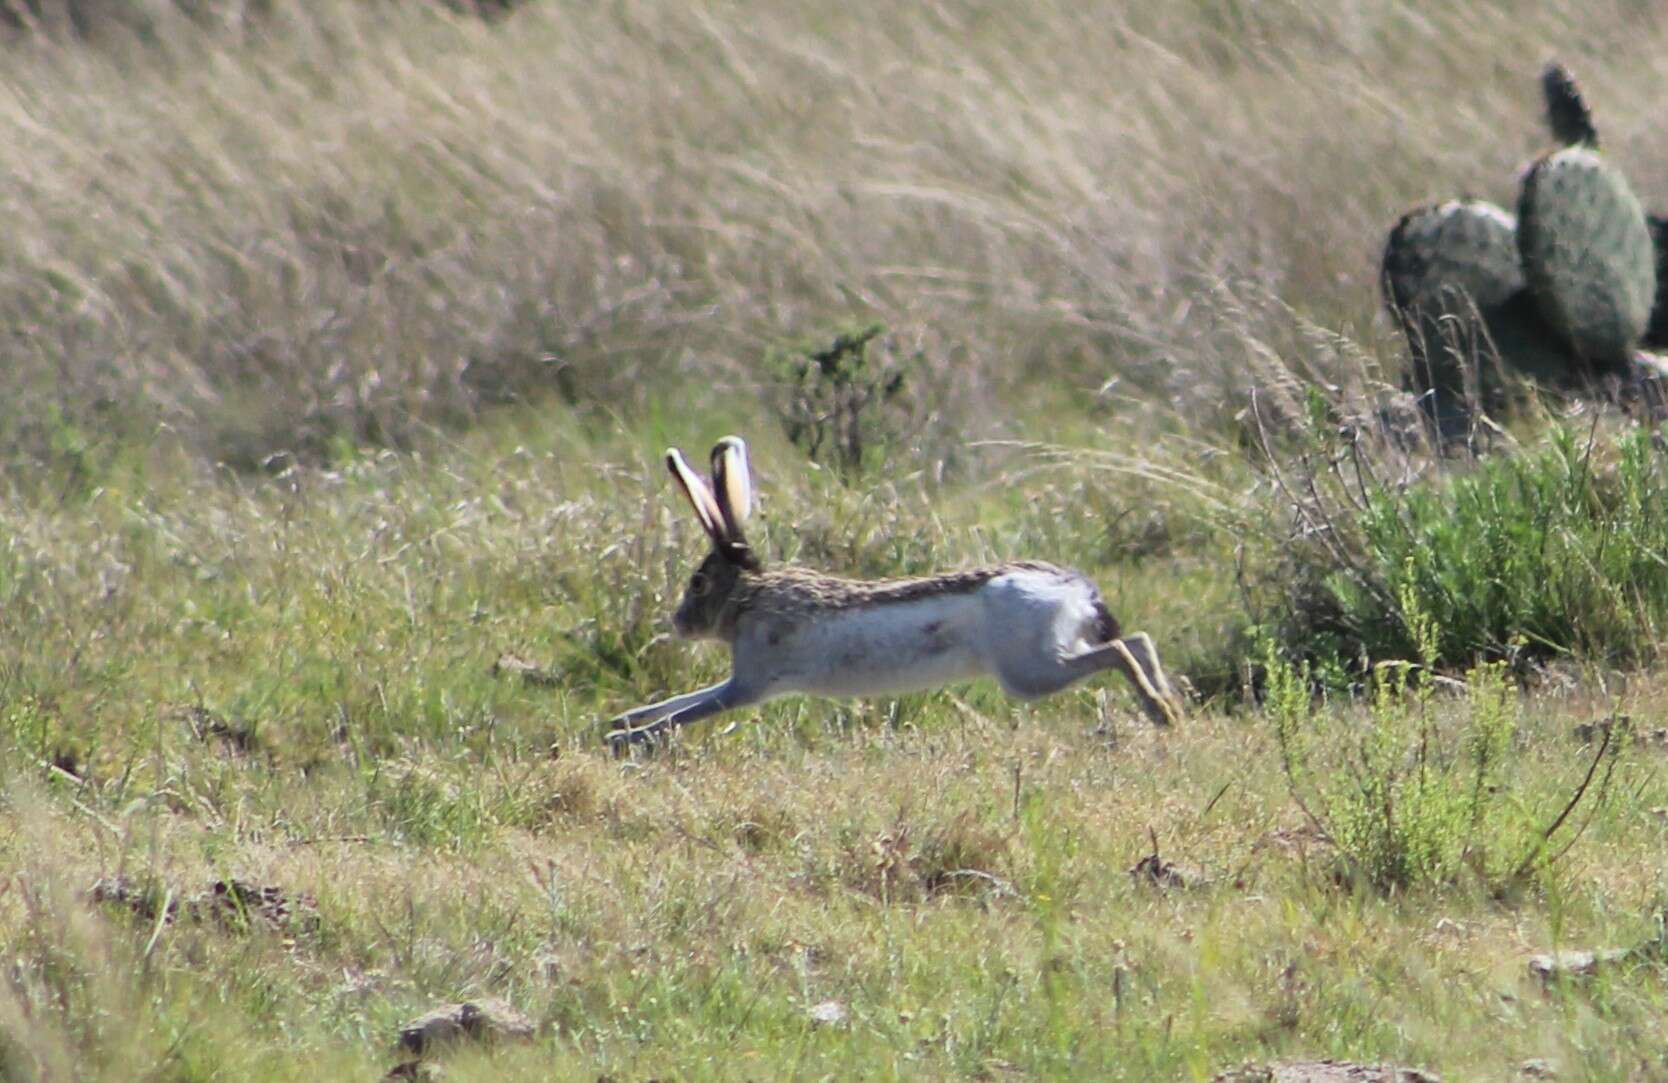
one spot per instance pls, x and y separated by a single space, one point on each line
342 344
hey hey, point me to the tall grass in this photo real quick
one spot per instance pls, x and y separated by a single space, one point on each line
301 224
950 867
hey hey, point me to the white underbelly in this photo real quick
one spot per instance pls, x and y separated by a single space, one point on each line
890 649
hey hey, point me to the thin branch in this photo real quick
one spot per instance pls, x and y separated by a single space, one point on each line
1551 829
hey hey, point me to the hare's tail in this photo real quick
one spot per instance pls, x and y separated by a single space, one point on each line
1107 627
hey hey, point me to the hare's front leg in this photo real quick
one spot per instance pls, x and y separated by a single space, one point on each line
641 723
652 712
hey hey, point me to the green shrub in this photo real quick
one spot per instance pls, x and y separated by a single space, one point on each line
838 405
1556 550
1416 794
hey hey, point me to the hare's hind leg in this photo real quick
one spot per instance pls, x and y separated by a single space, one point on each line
1136 658
1145 654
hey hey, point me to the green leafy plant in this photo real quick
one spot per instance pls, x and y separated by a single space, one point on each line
1410 797
839 405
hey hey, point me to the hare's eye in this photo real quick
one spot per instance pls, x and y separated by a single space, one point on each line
699 584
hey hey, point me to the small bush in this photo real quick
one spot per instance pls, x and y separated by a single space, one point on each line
839 406
1417 795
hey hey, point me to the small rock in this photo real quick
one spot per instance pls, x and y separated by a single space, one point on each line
1289 840
205 725
828 1013
1574 964
1537 1069
415 1069
1159 872
487 1020
66 764
513 665
1327 1071
1588 732
1622 725
143 901
230 901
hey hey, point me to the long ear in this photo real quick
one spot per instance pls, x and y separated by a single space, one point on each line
731 483
700 497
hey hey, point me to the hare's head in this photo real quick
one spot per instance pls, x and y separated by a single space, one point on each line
722 509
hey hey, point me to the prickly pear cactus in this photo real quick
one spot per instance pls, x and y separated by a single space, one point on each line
1572 125
1453 278
1656 332
1452 251
1587 255
1566 111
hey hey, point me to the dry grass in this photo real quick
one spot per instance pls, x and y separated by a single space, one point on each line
345 222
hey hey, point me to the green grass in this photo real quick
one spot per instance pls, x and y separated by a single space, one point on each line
342 345
950 867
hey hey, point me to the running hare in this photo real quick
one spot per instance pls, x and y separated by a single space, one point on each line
1036 627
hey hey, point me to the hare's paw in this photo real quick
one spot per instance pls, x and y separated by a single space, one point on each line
622 736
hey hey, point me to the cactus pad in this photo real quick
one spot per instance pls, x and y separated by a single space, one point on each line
1453 279
1656 332
1452 250
1566 111
1587 255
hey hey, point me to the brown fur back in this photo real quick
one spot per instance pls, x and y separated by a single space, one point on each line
800 592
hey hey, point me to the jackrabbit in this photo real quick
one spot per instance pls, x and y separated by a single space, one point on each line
1035 626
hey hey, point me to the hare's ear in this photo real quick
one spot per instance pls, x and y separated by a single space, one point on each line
731 483
700 497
